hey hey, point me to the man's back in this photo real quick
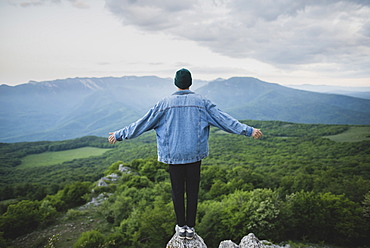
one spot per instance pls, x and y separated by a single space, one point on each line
183 129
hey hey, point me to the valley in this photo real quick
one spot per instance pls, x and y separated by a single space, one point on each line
293 174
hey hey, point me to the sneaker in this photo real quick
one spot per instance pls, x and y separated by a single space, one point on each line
190 232
181 231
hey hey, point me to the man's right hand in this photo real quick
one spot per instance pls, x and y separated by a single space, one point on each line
112 139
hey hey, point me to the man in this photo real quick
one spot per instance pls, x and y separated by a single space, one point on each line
182 122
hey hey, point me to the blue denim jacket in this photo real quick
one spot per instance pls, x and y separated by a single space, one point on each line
182 123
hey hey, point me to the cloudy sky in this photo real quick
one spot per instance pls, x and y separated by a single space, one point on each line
279 41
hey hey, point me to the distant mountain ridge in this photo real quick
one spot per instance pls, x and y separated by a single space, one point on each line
75 107
251 98
361 92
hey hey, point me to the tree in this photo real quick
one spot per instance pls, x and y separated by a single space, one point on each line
71 196
325 217
21 218
238 214
150 226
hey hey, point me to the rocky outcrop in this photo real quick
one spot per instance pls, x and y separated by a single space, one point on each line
124 169
176 242
103 182
96 201
228 244
249 241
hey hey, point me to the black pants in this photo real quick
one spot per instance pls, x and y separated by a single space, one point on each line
185 177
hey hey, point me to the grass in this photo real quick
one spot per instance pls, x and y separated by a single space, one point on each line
353 134
9 201
52 158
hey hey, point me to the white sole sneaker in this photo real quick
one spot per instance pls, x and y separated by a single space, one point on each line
181 231
190 232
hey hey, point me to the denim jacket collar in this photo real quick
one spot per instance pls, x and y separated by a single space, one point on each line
183 92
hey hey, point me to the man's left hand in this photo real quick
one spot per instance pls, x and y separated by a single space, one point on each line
256 133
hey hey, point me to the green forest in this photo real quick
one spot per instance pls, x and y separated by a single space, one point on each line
300 183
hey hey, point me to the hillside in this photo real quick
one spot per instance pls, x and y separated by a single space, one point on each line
300 182
71 108
250 98
361 92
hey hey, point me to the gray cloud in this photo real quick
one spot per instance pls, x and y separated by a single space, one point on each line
149 15
81 4
285 33
29 3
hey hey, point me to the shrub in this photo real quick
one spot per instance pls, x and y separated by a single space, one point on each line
90 239
325 217
239 214
20 218
71 196
73 214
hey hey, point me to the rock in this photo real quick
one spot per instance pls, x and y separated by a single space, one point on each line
101 183
176 242
250 241
228 244
268 244
113 177
124 169
96 201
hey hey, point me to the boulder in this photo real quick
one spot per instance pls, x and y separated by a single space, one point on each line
251 241
96 201
102 183
176 242
124 169
228 244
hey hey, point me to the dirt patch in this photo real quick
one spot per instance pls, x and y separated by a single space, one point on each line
64 232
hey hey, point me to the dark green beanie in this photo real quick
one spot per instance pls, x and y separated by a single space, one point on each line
183 79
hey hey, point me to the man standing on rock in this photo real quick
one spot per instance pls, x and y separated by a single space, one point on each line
182 122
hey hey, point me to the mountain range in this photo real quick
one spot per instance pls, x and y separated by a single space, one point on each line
361 92
74 107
